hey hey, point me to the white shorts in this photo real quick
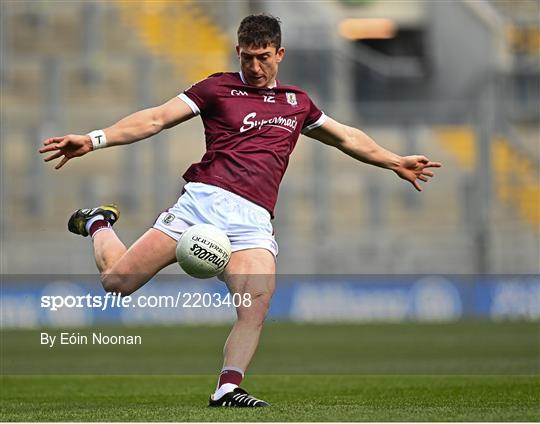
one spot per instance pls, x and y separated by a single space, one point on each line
246 224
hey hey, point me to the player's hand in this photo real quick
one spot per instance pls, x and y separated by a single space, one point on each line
414 168
69 146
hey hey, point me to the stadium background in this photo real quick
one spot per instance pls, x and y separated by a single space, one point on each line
458 81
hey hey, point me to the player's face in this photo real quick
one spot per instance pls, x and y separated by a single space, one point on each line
260 65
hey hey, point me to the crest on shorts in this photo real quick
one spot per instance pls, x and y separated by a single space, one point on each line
291 99
167 219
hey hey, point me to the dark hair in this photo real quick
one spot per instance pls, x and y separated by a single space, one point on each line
260 31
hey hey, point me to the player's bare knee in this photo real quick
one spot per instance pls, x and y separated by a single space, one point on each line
109 282
115 283
255 312
260 300
263 299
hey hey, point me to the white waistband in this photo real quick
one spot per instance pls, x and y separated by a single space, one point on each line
230 195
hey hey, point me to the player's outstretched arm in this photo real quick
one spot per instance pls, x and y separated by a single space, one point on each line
135 127
360 146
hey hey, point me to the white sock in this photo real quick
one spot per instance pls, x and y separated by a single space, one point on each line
223 390
92 220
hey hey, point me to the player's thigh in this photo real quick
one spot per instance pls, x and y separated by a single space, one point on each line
252 273
153 251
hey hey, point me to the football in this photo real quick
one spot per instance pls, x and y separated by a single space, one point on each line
203 251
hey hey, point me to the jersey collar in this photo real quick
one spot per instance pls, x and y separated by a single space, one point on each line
245 82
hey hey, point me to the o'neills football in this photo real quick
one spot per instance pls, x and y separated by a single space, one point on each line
203 251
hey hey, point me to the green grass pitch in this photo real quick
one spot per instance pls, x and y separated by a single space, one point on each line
465 371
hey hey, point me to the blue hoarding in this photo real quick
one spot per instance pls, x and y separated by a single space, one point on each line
37 301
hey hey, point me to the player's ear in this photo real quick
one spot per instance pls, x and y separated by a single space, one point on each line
280 53
238 51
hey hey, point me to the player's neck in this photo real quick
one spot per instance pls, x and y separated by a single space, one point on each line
271 84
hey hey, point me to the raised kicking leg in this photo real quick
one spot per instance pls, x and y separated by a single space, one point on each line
251 272
122 270
152 252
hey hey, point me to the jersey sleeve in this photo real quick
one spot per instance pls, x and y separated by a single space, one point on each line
200 96
314 119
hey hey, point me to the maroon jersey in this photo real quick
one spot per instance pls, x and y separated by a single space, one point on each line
250 133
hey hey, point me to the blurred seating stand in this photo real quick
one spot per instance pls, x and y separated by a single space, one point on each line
71 67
